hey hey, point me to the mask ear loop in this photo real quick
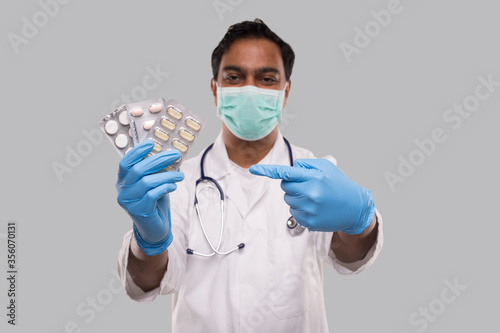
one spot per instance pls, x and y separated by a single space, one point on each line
218 94
282 102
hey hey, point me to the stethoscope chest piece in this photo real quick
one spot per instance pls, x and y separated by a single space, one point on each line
294 228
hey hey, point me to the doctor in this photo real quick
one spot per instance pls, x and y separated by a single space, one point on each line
250 256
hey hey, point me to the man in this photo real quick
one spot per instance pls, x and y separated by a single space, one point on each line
259 275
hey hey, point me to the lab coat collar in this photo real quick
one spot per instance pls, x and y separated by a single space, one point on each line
217 163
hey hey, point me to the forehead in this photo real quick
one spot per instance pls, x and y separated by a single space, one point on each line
253 53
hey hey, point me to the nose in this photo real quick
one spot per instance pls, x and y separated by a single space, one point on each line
250 81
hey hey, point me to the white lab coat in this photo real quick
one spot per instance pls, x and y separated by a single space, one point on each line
274 284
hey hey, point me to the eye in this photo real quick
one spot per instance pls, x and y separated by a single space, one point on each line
268 80
232 78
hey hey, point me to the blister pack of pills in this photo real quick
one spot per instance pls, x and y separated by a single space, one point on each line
142 116
176 128
169 124
116 127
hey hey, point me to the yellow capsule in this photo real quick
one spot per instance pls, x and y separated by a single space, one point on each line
168 124
186 135
169 168
157 147
194 124
174 113
180 145
161 134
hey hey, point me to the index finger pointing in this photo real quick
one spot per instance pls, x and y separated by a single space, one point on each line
284 172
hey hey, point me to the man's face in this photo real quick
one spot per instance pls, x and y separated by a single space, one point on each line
255 62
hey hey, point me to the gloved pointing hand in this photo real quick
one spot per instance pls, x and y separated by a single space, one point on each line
143 193
321 197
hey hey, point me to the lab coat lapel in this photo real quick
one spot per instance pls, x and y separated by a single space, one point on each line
258 192
277 155
236 195
217 162
217 166
235 190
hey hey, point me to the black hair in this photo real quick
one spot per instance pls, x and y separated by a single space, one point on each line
249 29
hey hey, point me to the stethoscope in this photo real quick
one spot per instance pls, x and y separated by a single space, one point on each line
294 228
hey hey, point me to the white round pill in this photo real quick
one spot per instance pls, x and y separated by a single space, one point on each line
148 124
111 127
123 118
121 141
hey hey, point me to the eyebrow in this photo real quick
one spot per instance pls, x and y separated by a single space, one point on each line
258 71
267 69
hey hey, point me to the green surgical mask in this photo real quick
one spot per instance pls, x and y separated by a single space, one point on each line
249 112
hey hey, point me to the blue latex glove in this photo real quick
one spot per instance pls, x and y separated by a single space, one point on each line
321 197
143 193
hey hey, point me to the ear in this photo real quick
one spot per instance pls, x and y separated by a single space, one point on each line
287 91
213 87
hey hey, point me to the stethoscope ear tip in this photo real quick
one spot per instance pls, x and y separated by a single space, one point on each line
240 246
189 251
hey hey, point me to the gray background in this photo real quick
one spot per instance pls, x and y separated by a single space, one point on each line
440 224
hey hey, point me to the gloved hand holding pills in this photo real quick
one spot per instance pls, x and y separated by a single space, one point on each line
151 136
143 193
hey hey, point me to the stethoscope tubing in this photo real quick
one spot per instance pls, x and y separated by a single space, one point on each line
215 249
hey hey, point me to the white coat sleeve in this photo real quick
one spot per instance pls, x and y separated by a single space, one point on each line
324 240
326 253
176 268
